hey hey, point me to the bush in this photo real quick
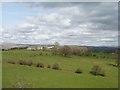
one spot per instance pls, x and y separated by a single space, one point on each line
94 55
78 71
29 63
11 61
104 57
40 65
56 66
97 70
22 62
48 66
102 73
40 54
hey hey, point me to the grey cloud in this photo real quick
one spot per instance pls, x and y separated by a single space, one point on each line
71 23
51 4
97 13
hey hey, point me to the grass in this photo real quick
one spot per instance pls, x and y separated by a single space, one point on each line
0 70
65 78
0 75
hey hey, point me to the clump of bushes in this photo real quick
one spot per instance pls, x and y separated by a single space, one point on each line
48 66
78 70
11 61
40 54
102 73
94 55
22 62
97 70
56 66
29 63
41 65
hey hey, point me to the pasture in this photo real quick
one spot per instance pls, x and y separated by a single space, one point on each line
16 75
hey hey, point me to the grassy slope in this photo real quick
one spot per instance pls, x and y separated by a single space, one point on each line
51 78
0 76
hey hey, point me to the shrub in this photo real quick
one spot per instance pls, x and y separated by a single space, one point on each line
102 73
78 71
29 63
40 65
104 57
56 66
48 66
11 61
94 55
97 70
22 62
40 54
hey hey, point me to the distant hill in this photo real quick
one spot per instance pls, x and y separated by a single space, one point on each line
95 48
102 48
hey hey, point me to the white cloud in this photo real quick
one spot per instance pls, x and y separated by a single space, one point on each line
106 39
66 22
68 25
1 29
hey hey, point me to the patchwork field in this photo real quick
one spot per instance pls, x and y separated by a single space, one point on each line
16 75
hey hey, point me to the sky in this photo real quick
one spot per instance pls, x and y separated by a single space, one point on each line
81 23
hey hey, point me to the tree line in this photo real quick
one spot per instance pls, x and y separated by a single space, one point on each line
69 50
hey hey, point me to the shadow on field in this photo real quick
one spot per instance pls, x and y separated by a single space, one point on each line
111 64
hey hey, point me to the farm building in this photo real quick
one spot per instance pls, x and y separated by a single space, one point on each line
39 47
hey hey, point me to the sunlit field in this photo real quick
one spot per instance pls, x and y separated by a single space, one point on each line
17 75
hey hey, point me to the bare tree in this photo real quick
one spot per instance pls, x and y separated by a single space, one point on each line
116 54
56 44
55 48
65 51
79 50
84 51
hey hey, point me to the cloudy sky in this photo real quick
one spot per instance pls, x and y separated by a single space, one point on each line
78 23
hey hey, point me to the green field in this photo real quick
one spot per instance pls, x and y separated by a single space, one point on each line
0 76
30 76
